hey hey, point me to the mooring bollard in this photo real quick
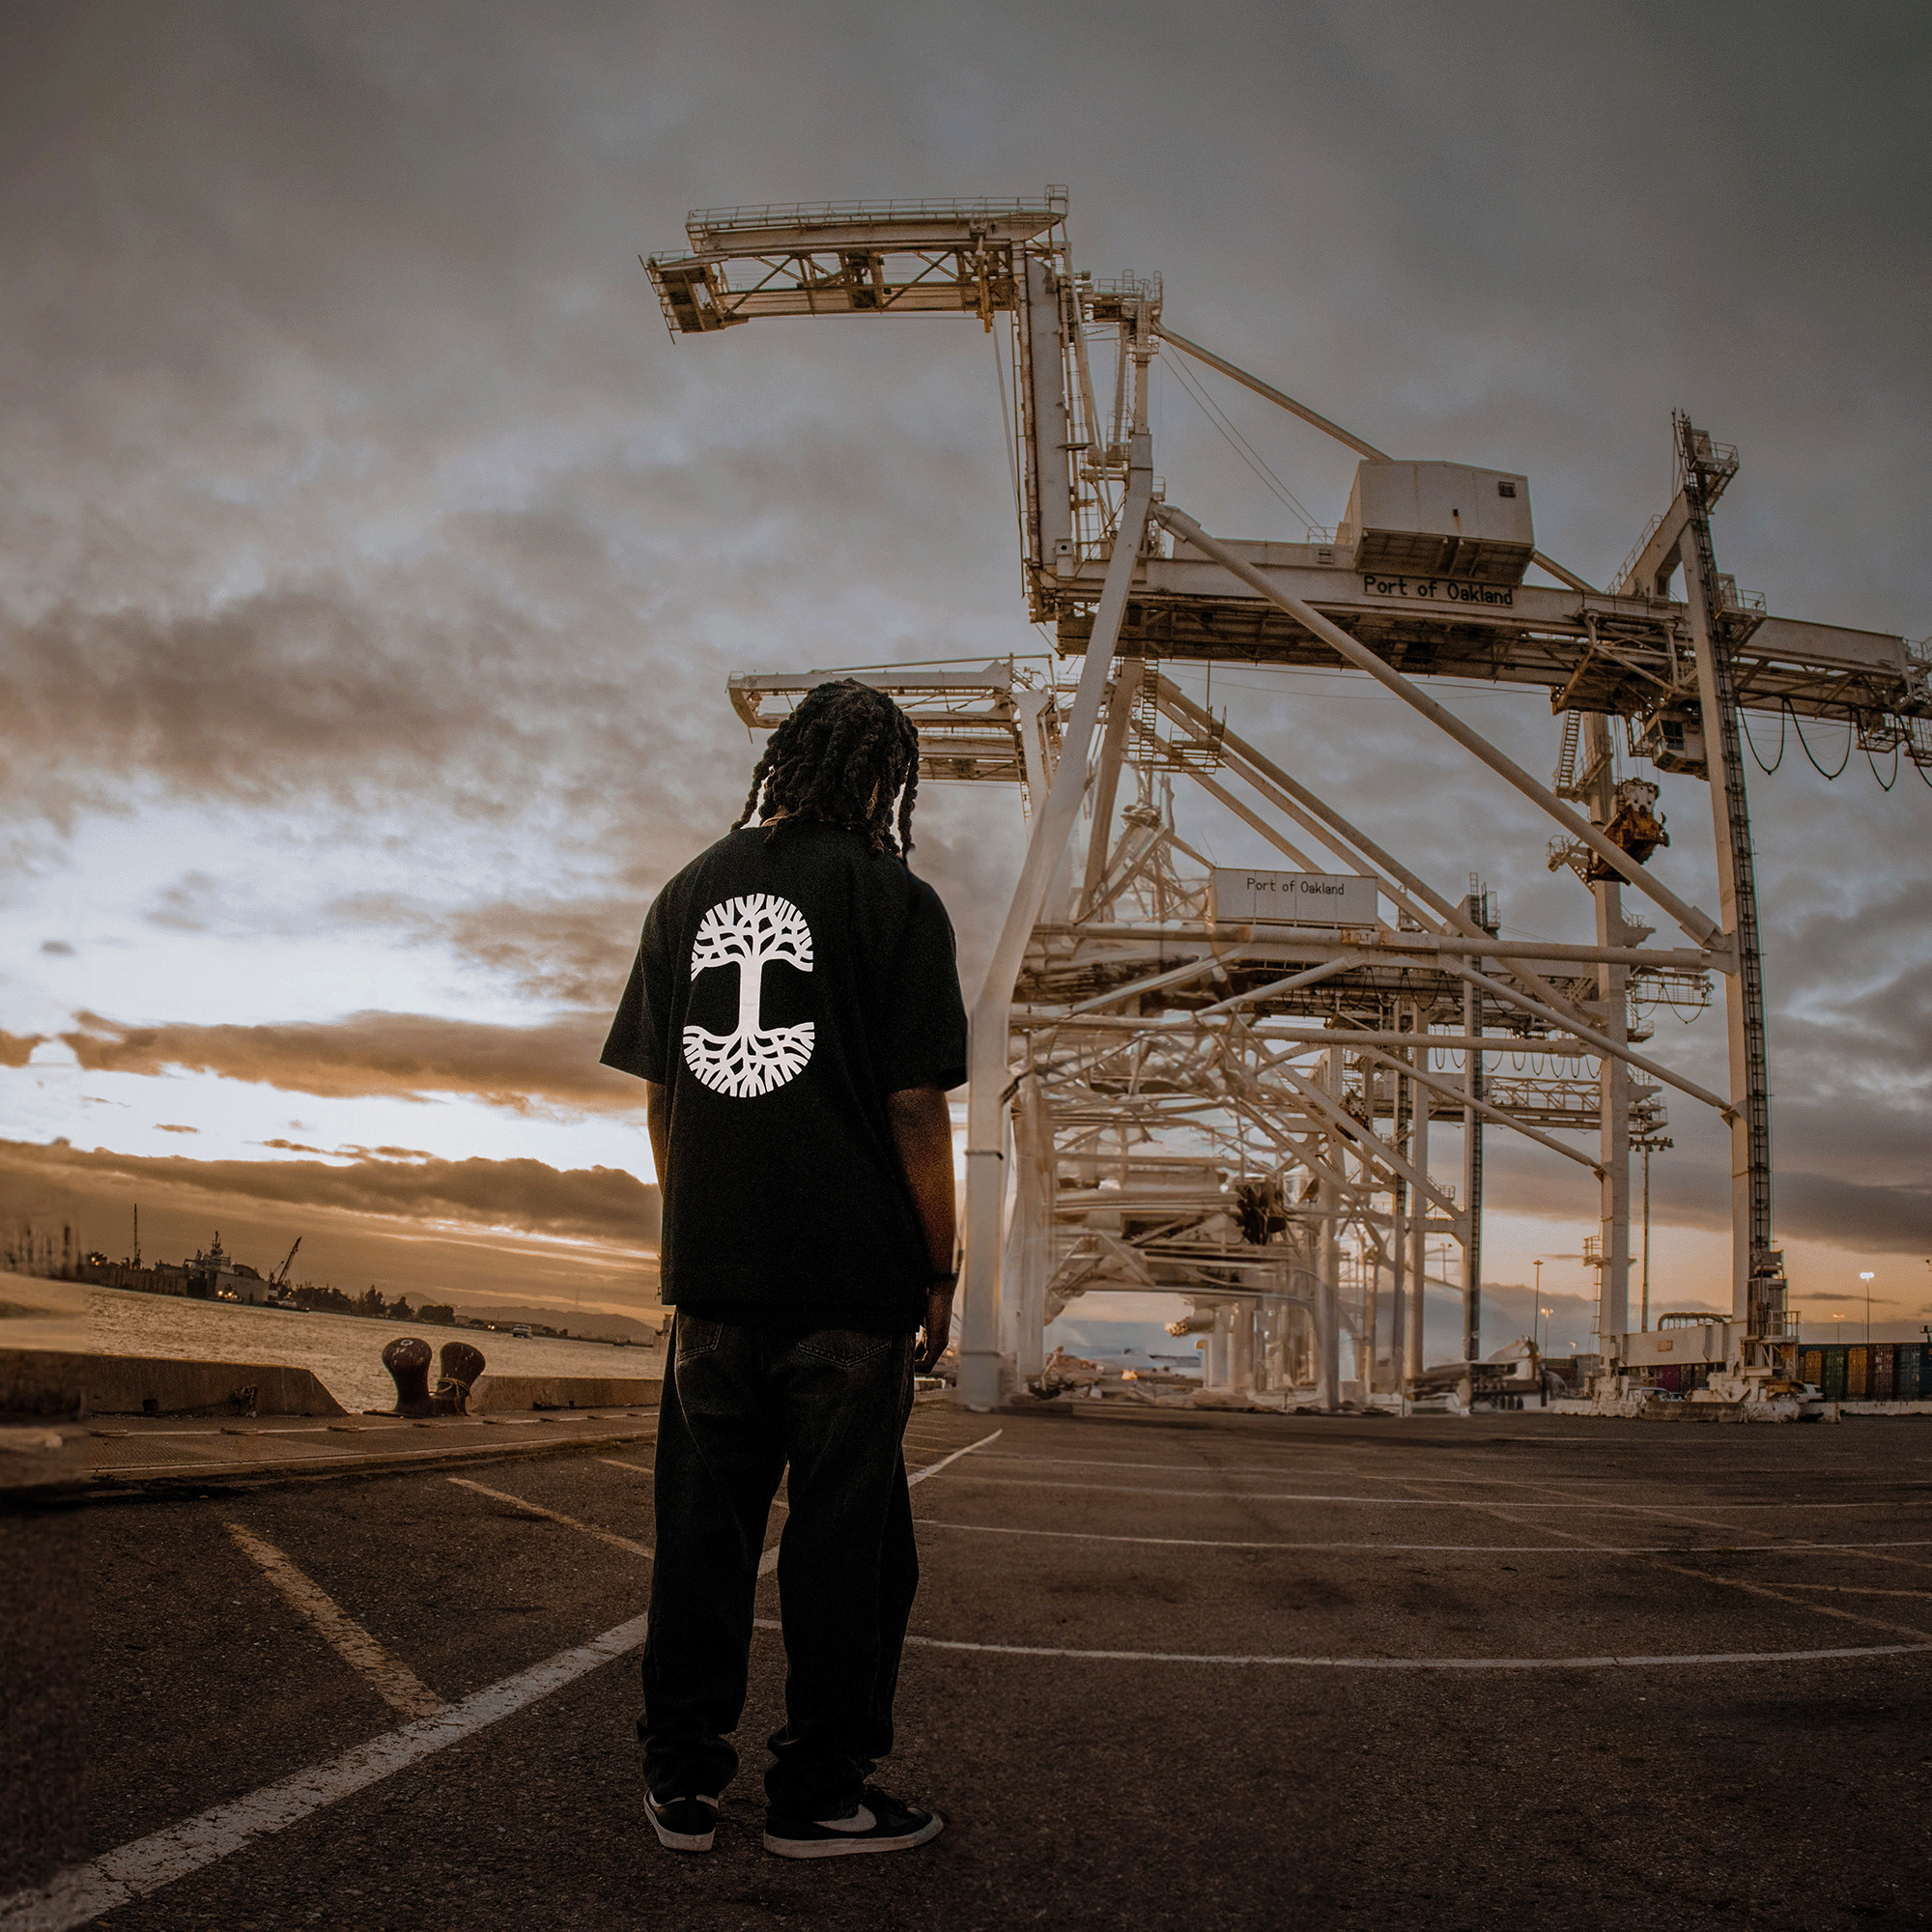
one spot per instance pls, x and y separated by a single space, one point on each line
462 1364
406 1359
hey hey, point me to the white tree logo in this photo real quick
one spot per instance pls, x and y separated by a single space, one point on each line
749 933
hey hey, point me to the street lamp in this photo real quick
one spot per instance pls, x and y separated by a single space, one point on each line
1866 1277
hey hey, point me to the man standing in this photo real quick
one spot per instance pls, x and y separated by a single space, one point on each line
795 1013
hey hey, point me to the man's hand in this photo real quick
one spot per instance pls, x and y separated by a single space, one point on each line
938 1326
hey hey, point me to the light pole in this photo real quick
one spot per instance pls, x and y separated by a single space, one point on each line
1866 1277
1643 1323
1537 1264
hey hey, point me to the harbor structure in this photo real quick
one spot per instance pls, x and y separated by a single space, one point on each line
1223 1084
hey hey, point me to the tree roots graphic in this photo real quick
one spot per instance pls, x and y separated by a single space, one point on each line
748 1064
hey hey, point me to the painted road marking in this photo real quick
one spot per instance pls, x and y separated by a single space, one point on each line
321 1460
1458 1548
84 1892
1293 1467
391 1679
1502 1513
1876 1552
947 1462
1248 1660
645 1469
769 1561
1573 1504
1843 1589
556 1515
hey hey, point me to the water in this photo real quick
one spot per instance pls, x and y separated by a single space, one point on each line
345 1350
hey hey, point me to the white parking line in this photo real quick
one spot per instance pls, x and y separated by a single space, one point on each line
1571 1504
1431 1663
391 1679
947 1462
1291 1466
556 1515
1851 1589
769 1561
84 1892
1249 1660
1463 1549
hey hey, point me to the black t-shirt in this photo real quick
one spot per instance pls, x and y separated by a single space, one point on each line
784 985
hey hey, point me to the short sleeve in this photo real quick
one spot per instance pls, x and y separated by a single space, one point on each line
636 1039
921 1038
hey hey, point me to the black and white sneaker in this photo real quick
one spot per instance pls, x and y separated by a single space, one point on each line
880 1824
682 1823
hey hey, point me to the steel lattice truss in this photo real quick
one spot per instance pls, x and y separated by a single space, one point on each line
1216 1103
1231 1112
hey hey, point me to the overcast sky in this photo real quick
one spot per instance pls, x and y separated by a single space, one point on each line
372 563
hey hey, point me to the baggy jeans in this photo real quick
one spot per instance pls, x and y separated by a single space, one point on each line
739 1404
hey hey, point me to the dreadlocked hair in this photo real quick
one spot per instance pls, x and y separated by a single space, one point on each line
841 758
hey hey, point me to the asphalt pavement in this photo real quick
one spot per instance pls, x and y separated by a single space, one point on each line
1167 1670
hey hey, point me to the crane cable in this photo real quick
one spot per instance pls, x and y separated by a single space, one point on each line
1786 711
1850 734
1240 446
1756 756
1882 784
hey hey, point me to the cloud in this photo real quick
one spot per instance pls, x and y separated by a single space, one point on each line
358 500
1884 1220
570 952
172 1128
598 1204
16 1048
409 1055
299 688
1830 1178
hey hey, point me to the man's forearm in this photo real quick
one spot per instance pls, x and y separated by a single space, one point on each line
922 1131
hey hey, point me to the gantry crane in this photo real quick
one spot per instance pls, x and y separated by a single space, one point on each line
1139 1001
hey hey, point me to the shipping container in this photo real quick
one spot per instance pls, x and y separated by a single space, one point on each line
1909 1383
1883 1354
1857 1371
1669 1374
1811 1367
1833 1382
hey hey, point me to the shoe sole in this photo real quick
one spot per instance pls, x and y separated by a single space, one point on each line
842 1848
679 1841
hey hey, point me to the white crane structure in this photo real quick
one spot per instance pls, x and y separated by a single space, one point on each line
1221 1083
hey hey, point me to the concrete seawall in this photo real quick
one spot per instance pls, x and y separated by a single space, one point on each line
60 1382
503 1394
37 1381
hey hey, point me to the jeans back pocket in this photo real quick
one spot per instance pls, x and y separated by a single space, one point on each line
852 1350
695 1336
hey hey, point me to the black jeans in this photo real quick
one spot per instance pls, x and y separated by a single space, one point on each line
738 1406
